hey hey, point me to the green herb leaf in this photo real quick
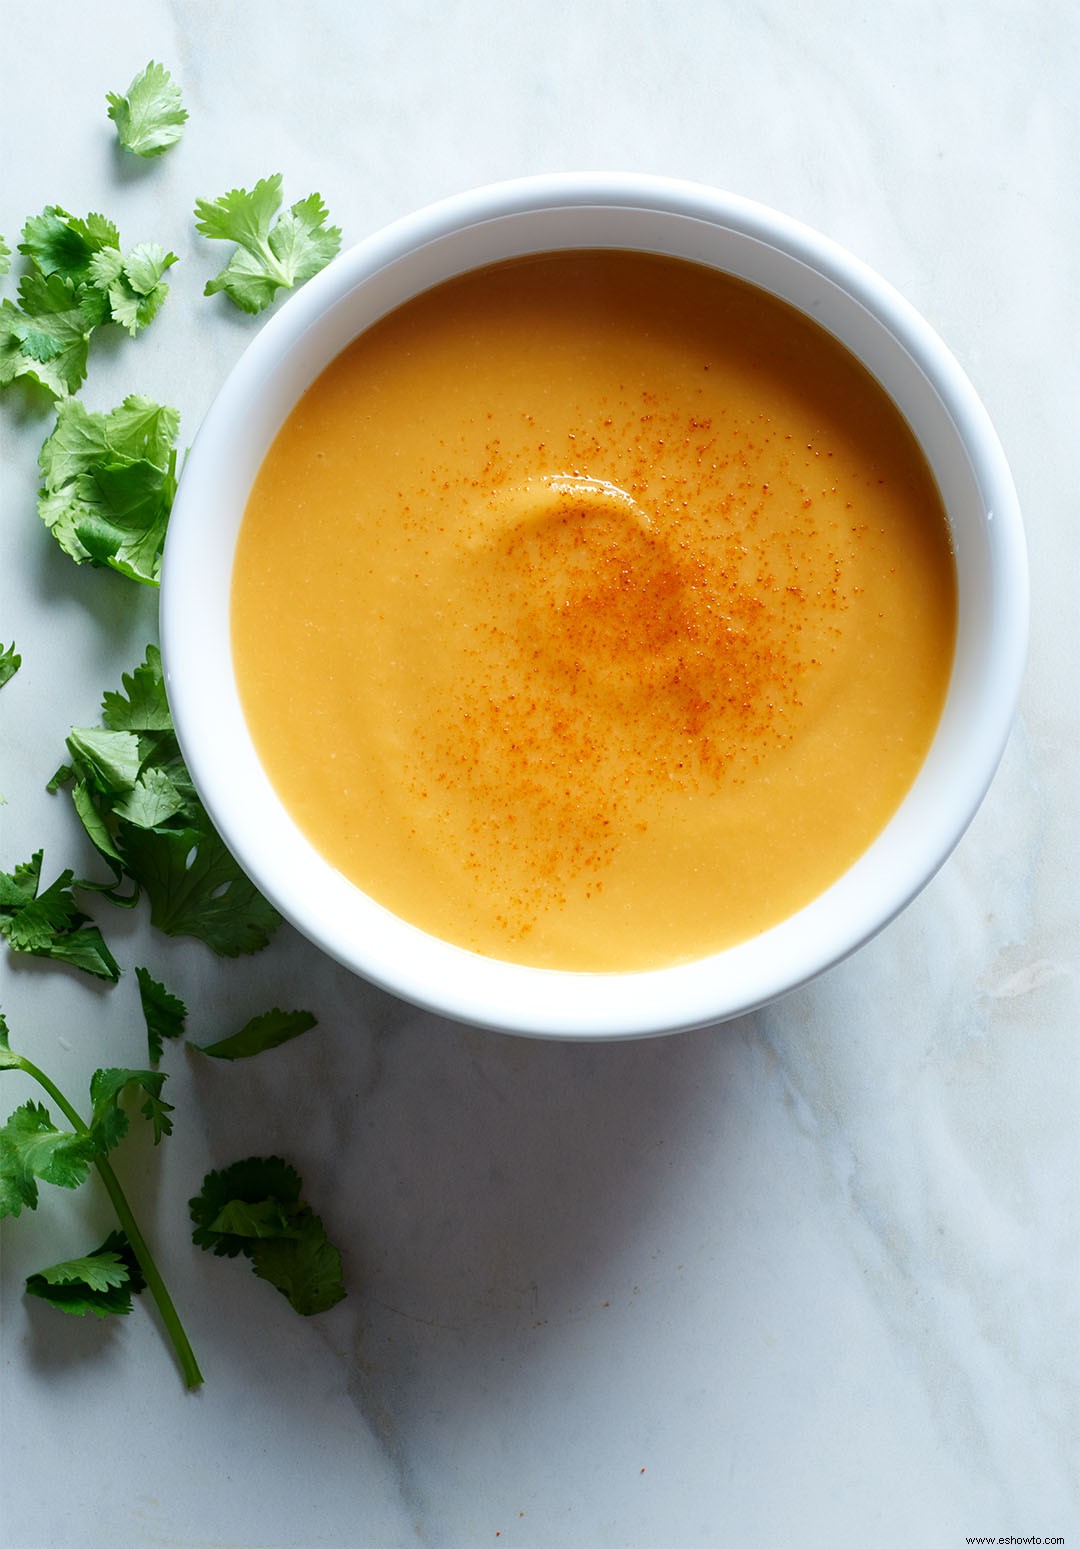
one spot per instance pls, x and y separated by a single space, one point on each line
108 481
59 243
150 116
63 776
137 430
31 1147
165 1013
139 807
5 257
97 831
10 662
133 284
142 705
153 799
102 1281
262 1032
196 889
97 1270
46 338
78 278
85 949
109 761
109 1123
305 1267
62 244
254 1181
51 924
20 886
270 256
254 1208
264 1218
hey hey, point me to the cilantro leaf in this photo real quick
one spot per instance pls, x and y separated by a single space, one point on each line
137 803
141 705
254 1208
196 888
137 430
109 1123
5 257
269 257
304 1266
98 1270
164 1012
133 284
98 833
262 1032
108 482
10 662
153 799
108 760
31 1147
20 886
302 242
46 338
63 244
261 1218
253 1181
84 948
150 116
102 1281
50 923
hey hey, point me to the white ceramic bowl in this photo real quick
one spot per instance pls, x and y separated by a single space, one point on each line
578 211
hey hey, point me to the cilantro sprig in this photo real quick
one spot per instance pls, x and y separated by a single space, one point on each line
108 482
150 116
33 1149
111 286
77 278
254 1207
136 800
270 255
50 923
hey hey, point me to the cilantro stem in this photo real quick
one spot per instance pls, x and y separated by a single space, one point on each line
139 1246
152 1275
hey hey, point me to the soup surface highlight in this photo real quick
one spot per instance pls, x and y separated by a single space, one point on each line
594 611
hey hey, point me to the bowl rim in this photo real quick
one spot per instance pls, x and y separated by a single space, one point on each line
436 975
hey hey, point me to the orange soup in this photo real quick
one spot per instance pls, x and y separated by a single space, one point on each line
593 611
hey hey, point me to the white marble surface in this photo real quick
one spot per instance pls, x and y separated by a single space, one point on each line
810 1278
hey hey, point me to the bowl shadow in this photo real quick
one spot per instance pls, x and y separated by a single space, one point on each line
497 1196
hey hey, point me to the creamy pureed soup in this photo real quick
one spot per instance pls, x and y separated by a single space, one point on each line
593 611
